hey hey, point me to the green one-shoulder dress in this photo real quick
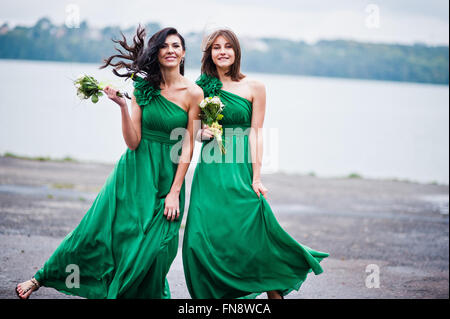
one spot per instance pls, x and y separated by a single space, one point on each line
233 246
124 245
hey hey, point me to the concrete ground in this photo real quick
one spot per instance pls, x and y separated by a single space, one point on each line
400 227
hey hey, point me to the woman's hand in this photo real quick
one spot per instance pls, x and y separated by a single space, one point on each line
172 206
259 188
204 134
112 94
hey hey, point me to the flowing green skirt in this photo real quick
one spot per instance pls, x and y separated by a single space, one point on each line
233 246
124 245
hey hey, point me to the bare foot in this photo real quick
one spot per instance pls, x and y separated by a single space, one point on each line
25 289
274 294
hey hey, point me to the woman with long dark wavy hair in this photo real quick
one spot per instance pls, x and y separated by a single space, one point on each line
126 242
233 246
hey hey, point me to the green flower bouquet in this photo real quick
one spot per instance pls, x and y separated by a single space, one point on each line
211 113
88 87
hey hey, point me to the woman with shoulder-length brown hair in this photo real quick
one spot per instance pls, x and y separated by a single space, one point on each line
124 245
233 246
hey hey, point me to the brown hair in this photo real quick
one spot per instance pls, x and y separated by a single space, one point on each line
208 66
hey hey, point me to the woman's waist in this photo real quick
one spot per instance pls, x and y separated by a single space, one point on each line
172 137
236 129
236 125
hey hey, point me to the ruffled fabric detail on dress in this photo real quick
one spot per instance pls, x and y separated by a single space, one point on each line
210 85
144 91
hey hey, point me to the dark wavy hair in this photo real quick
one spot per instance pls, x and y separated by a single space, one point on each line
208 66
144 60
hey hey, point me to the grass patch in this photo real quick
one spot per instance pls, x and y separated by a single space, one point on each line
63 186
68 159
40 158
354 175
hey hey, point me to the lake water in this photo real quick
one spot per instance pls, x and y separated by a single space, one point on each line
329 127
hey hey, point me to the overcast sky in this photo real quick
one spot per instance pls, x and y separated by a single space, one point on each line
401 21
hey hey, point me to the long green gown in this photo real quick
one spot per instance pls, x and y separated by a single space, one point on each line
124 245
233 246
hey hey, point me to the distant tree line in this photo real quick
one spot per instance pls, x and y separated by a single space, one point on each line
330 58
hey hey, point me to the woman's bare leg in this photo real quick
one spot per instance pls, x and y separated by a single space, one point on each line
274 294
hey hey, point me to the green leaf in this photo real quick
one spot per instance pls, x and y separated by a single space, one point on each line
94 98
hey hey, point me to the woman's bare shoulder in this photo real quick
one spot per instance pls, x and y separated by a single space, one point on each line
194 91
253 83
255 86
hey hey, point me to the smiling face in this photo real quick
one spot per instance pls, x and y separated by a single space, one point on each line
171 53
222 52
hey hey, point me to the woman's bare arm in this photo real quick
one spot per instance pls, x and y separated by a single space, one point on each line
131 125
186 154
256 134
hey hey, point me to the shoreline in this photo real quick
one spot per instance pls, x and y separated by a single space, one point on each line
275 73
352 175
